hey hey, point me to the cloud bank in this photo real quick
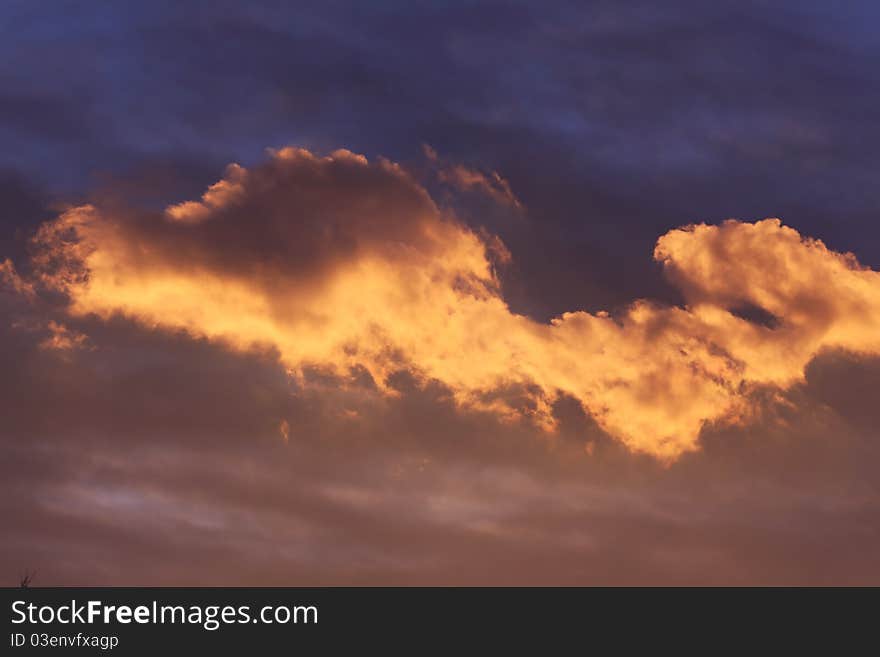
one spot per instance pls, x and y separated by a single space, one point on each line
349 266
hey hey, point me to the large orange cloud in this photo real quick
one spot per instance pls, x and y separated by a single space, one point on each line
337 262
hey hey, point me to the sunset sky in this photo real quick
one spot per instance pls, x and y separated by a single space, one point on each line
422 293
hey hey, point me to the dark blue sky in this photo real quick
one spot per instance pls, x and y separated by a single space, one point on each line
613 121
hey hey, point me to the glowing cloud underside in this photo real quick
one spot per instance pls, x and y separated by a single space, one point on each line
339 262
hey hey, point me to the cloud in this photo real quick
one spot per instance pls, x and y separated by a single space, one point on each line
61 338
154 456
11 281
157 457
465 179
346 265
817 299
156 460
491 184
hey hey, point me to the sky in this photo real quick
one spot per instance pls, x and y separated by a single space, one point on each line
439 293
